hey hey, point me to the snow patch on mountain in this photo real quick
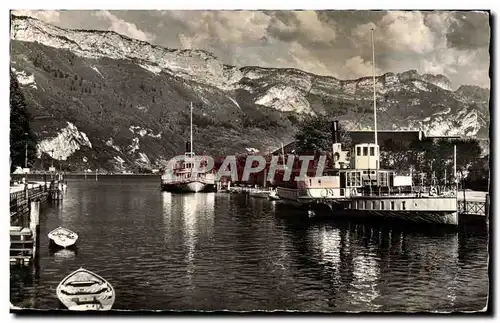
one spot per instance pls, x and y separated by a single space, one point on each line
444 112
153 69
419 85
110 143
68 140
235 102
97 71
119 159
157 136
252 150
134 146
143 159
136 130
24 79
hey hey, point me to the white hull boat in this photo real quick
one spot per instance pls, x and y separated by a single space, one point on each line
192 187
189 174
83 290
273 196
63 237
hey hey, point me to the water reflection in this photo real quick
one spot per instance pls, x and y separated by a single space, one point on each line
63 255
194 212
190 205
209 251
369 263
364 289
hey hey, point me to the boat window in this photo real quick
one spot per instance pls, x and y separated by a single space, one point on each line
364 172
392 205
381 205
403 205
372 151
310 182
373 205
319 182
365 151
366 205
341 192
358 151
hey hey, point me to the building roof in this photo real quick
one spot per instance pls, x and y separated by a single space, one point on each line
367 136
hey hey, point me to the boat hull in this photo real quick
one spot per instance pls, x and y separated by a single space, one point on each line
62 238
437 210
263 194
435 217
189 187
273 197
424 210
84 290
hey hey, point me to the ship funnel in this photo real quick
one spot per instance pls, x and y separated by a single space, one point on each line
335 131
188 147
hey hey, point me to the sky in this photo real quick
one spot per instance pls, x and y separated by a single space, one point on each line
334 43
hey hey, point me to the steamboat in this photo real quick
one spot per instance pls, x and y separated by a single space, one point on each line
356 186
189 174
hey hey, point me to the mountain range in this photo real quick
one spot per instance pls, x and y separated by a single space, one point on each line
102 100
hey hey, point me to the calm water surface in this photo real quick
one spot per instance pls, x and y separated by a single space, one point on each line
216 251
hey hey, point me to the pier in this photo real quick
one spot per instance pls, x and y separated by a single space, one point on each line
25 204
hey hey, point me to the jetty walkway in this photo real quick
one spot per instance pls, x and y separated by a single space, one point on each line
25 203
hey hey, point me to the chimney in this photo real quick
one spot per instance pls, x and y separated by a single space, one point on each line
335 131
188 147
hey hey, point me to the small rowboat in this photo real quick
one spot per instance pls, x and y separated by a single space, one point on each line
273 196
83 290
63 237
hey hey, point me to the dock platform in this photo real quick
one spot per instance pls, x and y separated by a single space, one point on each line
25 202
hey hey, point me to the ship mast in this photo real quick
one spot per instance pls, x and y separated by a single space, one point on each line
375 107
283 153
191 127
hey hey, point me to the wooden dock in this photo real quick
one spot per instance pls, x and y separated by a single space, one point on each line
25 203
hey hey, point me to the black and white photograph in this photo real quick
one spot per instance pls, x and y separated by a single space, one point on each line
245 161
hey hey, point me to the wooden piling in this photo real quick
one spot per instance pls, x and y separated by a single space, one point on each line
487 207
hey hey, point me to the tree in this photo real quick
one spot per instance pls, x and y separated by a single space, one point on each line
20 130
315 136
435 157
479 173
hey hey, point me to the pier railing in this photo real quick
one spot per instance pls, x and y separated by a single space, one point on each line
473 208
19 200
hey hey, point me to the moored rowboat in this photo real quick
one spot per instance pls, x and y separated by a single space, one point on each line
84 290
63 237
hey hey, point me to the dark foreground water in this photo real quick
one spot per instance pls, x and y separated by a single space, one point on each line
217 251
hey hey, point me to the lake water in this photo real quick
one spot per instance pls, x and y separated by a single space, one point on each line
215 251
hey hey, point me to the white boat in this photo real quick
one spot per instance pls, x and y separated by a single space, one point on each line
63 237
183 176
273 195
84 290
359 187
